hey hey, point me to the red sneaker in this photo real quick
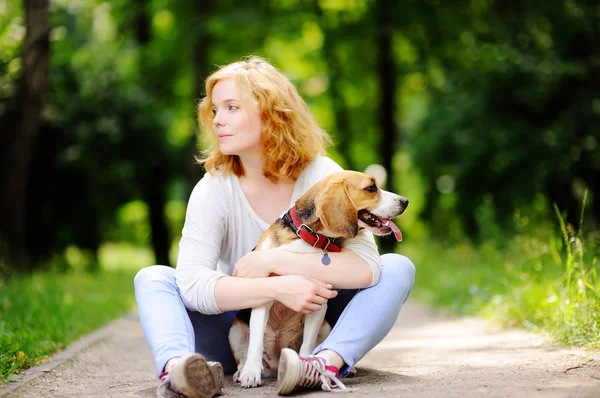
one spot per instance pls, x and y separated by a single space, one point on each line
299 373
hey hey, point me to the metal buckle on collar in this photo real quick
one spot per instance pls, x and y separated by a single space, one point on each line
306 227
327 239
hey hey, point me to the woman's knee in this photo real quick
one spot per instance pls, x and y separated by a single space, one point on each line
397 268
154 274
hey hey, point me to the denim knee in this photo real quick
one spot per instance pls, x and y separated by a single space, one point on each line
398 265
154 274
397 270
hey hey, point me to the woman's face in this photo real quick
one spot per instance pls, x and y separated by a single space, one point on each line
236 126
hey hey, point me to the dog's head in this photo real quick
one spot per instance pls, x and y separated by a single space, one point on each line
348 200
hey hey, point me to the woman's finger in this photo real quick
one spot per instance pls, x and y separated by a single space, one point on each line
319 300
319 282
326 293
312 307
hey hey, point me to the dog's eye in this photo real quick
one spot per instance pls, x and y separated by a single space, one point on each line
371 188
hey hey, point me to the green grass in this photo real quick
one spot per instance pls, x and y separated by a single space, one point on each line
548 285
44 312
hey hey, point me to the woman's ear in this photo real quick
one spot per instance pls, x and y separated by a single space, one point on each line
337 211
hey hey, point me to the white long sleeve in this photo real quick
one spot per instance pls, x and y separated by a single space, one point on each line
200 246
221 227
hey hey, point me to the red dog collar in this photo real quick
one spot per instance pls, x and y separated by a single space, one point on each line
305 233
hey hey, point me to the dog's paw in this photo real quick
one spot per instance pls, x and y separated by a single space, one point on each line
236 376
249 377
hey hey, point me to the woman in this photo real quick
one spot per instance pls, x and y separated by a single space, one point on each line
267 150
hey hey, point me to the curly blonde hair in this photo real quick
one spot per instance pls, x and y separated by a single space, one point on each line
290 137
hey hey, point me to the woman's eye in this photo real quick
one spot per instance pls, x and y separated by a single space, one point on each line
233 107
214 112
371 188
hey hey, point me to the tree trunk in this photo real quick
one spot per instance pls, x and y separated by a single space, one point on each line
200 60
141 22
387 91
16 159
153 186
156 199
340 110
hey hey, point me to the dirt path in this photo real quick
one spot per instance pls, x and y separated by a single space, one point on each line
425 355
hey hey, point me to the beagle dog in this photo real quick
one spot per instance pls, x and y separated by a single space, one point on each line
334 208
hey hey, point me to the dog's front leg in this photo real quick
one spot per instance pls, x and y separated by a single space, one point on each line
312 325
239 336
250 376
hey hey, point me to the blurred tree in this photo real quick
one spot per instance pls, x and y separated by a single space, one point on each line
104 142
153 183
342 129
200 64
514 109
387 98
21 131
496 102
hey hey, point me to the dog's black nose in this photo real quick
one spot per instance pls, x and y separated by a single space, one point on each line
404 201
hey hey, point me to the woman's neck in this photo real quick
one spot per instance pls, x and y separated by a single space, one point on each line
269 199
254 172
253 168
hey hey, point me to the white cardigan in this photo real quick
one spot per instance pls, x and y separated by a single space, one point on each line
221 227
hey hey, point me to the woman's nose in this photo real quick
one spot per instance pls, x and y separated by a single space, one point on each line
217 120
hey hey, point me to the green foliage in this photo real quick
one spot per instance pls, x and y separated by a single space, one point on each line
12 33
497 102
132 224
516 111
42 313
498 117
103 135
544 283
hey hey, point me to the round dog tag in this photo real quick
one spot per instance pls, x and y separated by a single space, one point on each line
326 260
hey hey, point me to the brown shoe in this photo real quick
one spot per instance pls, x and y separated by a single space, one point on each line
192 376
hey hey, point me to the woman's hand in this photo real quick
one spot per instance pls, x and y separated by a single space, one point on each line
302 293
256 264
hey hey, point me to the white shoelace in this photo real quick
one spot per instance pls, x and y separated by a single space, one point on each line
315 373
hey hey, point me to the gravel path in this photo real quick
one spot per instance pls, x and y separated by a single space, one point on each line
425 355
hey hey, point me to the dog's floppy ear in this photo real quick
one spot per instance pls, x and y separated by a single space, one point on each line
337 211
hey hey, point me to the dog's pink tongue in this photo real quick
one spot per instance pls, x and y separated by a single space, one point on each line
396 231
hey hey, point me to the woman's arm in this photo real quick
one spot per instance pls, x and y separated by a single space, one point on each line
302 294
347 269
201 242
358 265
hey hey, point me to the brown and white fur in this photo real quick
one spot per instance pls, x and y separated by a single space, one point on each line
337 206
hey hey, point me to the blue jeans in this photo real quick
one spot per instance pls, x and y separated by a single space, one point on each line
360 318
